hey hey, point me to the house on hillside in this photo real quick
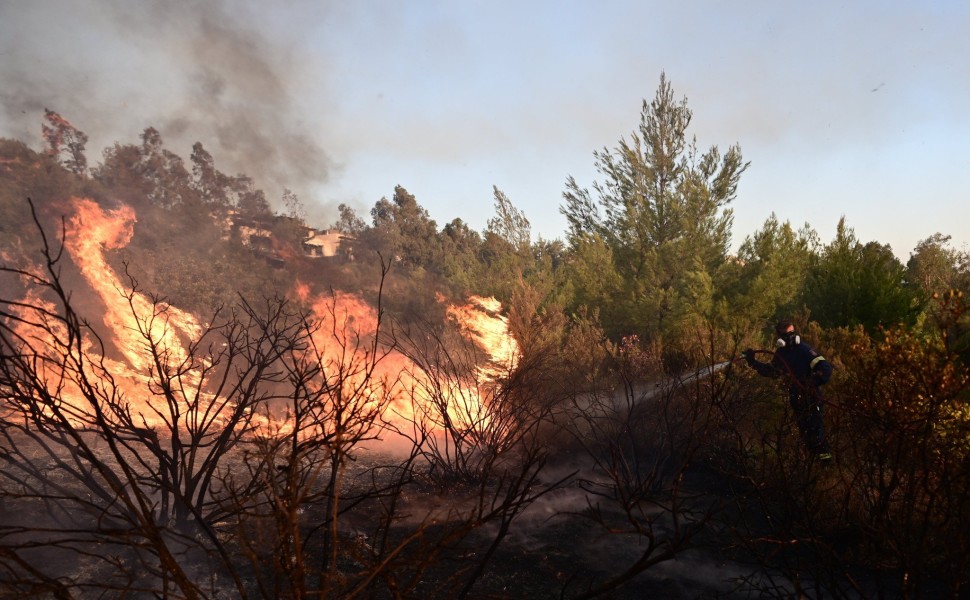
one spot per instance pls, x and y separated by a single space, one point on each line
326 244
258 235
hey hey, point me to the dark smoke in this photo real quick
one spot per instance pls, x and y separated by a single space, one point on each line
213 72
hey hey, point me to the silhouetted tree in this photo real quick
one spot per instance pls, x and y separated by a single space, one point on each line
509 223
65 142
212 184
349 222
250 200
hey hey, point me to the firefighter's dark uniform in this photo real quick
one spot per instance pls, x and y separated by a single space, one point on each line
805 370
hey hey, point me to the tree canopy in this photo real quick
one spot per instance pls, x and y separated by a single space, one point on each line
661 211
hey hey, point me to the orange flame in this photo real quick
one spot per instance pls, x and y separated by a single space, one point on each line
412 390
347 326
127 314
482 320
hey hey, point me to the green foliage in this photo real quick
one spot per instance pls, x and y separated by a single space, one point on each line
859 284
509 258
774 265
288 235
403 230
461 263
592 279
538 325
935 267
663 205
646 256
509 223
646 253
636 362
694 302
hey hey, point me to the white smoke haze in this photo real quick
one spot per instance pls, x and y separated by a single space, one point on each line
854 109
194 71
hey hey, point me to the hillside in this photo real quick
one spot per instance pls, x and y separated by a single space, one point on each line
198 401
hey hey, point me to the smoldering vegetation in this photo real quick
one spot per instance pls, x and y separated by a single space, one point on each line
260 464
206 411
253 464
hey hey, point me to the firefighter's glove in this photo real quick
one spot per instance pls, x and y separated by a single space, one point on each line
748 355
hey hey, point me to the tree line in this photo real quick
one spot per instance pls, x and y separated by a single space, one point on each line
642 290
646 251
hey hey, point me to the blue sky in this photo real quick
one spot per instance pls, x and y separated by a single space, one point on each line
859 109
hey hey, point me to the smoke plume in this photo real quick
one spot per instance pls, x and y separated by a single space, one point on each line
197 71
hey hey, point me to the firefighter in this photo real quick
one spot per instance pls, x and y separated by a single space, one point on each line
805 370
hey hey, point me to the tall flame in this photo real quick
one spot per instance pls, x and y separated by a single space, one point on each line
344 314
347 322
486 325
127 314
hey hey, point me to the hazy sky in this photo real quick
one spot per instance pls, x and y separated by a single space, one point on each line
859 108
